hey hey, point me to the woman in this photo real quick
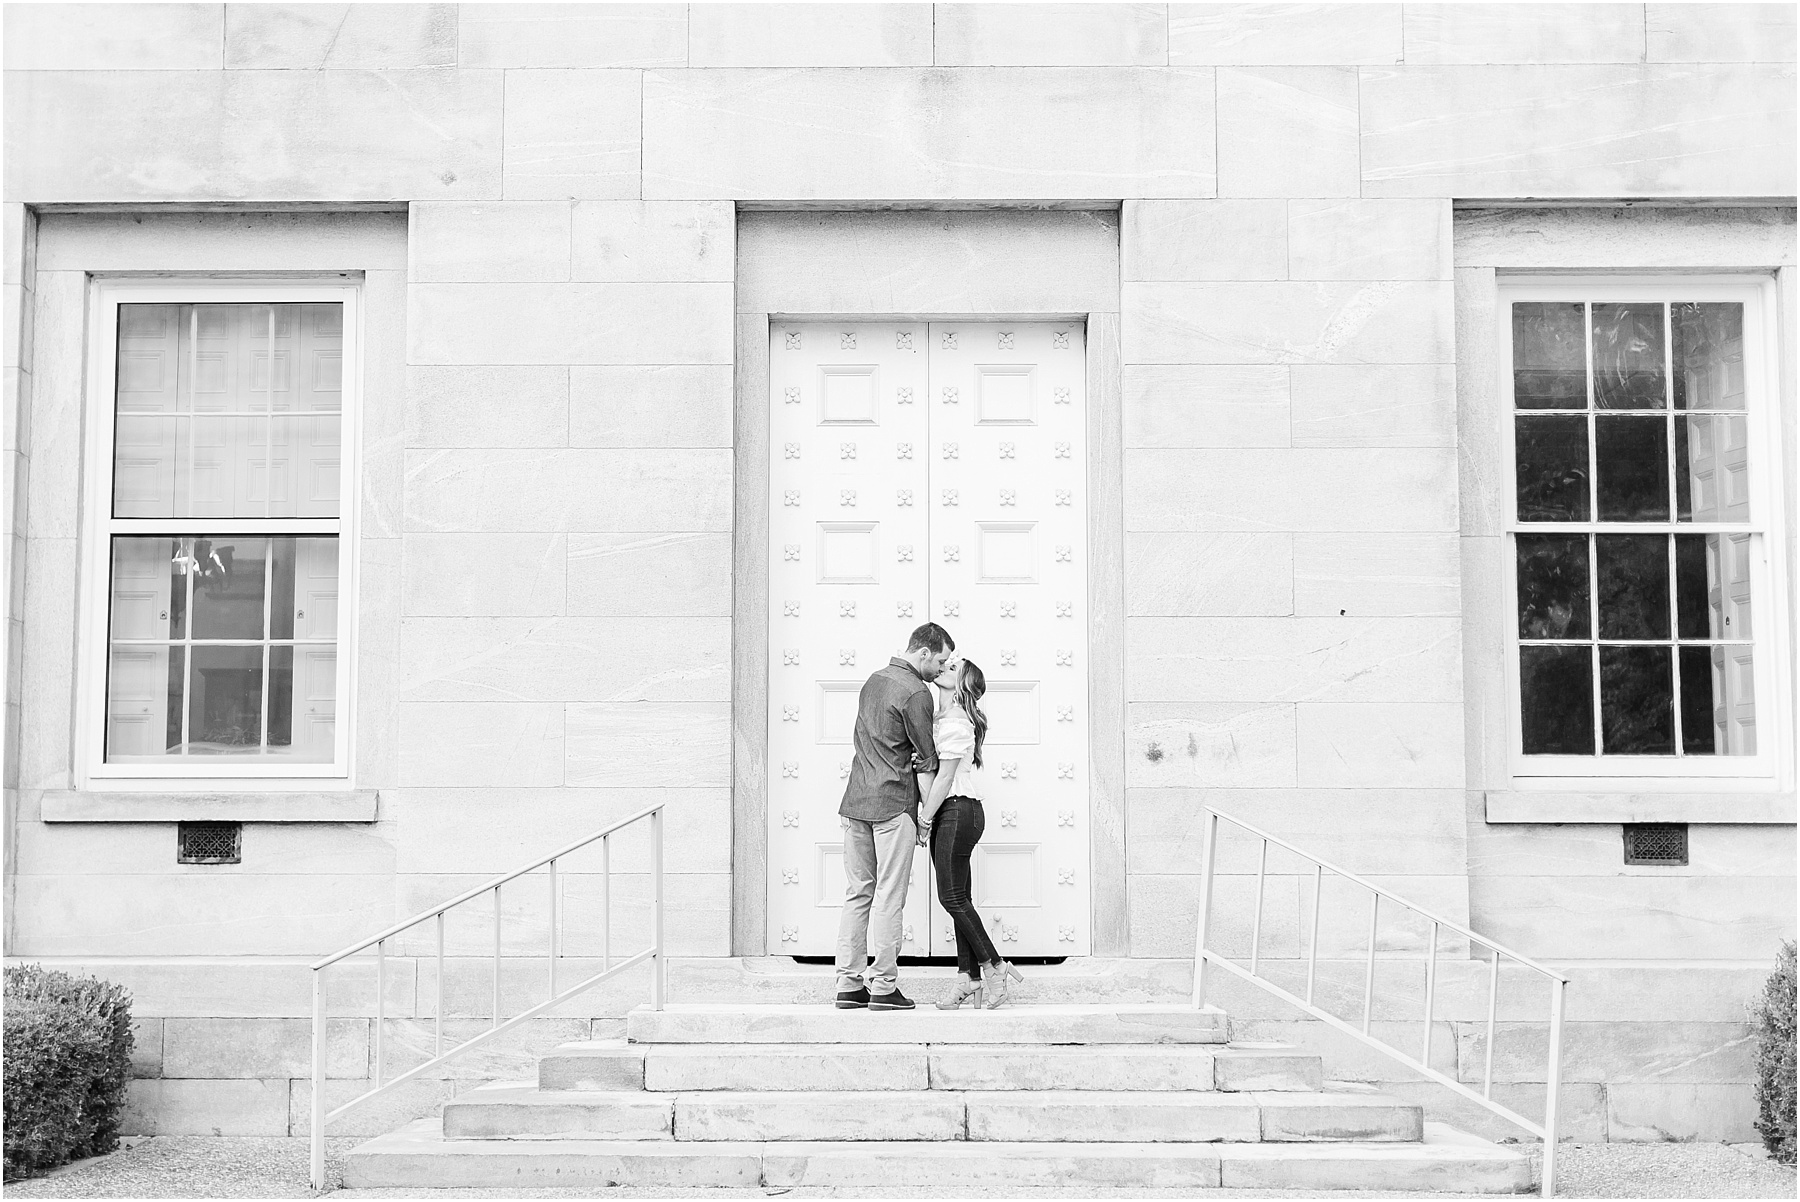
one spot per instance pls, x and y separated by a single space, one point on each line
953 822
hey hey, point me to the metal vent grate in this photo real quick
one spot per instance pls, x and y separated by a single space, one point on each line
1657 843
210 843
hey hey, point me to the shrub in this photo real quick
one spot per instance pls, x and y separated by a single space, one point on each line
1775 1059
68 1058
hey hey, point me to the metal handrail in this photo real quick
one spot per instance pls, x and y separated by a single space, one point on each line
1204 956
653 953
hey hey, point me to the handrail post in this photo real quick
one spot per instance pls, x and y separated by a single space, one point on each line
1430 990
1369 979
496 955
440 983
1262 868
1487 1072
605 902
553 928
659 963
317 1132
1312 952
1208 854
1553 1088
380 1008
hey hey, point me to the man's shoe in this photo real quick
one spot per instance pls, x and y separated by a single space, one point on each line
890 1001
852 999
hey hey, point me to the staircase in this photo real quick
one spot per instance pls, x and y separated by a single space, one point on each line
1031 1095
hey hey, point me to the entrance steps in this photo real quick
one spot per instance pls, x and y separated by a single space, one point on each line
1028 1095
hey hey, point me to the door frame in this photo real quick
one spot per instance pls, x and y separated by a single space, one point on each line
750 621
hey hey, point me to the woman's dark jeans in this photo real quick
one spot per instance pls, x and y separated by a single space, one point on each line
954 833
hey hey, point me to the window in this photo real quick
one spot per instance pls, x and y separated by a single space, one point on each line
217 649
1640 575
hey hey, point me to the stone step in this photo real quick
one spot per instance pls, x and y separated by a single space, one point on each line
505 1110
1022 1024
779 1067
418 1156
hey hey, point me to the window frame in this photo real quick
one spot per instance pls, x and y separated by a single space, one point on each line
99 527
1770 765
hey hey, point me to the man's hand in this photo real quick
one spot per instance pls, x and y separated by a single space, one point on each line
916 762
924 834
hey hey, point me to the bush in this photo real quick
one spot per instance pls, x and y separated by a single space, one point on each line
1775 1059
68 1058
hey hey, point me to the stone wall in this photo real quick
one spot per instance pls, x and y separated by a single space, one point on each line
553 282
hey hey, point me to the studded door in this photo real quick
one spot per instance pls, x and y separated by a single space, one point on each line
931 472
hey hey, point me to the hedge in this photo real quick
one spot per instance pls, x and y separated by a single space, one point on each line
1775 1059
68 1058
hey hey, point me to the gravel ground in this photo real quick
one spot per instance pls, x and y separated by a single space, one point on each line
207 1167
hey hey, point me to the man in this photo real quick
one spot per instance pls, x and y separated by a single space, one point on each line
880 816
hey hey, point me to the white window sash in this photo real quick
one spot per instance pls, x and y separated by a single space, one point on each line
208 773
1773 761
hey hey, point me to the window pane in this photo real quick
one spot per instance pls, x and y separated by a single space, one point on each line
229 345
225 706
151 371
1632 459
1718 701
1628 357
305 461
1712 585
149 589
1549 363
1712 469
1636 712
1709 355
228 586
319 351
1553 586
143 700
146 454
305 579
303 702
1556 690
1633 575
1552 461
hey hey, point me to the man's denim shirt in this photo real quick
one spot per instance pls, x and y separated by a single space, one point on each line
893 720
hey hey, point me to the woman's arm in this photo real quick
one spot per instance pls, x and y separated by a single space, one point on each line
939 789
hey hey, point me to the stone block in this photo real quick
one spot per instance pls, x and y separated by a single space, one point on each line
250 987
344 136
1266 660
1194 743
1197 405
1283 34
1581 1114
1397 575
236 241
1483 475
483 574
146 1047
1244 1067
1160 1068
813 1024
1723 33
1050 35
1288 131
495 830
809 35
1344 922
383 466
231 1107
793 1067
503 242
57 346
377 668
1614 1052
1100 1116
1209 575
1205 240
995 133
571 323
1445 1160
1392 491
1628 918
114 37
1165 910
1561 131
1603 236
593 1064
1368 240
408 1043
573 35
262 1047
1523 33
1348 1059
581 491
629 745
508 1110
461 743
47 673
926 261
405 1102
1686 1112
927 1115
487 407
1386 321
1385 745
674 405
1334 1116
566 659
653 240
572 135
1362 405
1599 850
659 574
344 37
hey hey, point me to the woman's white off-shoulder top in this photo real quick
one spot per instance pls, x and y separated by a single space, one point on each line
954 735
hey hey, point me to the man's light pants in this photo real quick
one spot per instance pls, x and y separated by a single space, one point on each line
878 860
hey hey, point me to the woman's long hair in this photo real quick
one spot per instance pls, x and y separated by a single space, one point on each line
973 685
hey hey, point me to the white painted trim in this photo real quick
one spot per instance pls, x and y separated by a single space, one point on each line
1771 769
93 581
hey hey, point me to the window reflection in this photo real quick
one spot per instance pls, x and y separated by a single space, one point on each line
1628 357
1549 356
1551 462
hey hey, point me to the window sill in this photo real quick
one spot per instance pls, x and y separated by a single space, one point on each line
66 805
1730 808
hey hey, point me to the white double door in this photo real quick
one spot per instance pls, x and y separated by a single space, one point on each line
931 472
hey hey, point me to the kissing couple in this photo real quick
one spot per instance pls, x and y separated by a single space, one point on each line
915 782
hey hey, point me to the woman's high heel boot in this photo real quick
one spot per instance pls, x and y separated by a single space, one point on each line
994 983
962 992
